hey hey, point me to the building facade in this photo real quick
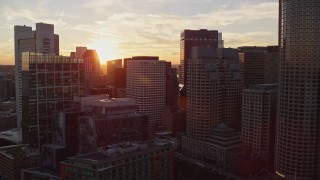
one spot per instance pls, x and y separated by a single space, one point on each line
80 50
259 119
172 85
41 40
91 62
297 146
259 65
49 83
120 83
252 61
222 140
16 157
174 120
146 83
111 67
7 86
213 94
271 65
109 120
196 38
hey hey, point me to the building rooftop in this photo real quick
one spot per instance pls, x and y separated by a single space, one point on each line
16 151
7 113
212 53
113 102
144 58
103 101
263 87
122 150
224 137
43 173
13 135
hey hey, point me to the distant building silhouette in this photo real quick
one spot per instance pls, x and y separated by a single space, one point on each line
112 65
91 62
120 82
91 59
116 78
80 50
172 86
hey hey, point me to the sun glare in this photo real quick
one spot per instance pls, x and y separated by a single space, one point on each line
106 49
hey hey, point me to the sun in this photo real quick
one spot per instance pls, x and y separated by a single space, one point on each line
106 49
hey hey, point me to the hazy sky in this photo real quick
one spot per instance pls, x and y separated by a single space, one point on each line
124 28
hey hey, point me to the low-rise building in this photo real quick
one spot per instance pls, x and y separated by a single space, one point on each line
222 140
16 157
109 120
145 160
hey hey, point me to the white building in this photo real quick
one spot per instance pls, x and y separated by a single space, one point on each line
146 82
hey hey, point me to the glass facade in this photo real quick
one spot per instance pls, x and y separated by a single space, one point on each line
297 150
49 83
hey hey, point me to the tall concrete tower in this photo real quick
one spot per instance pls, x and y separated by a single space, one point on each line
298 125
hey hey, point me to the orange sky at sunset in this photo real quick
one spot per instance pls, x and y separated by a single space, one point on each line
124 28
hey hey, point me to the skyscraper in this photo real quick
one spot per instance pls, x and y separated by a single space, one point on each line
49 83
252 65
111 68
259 65
91 67
214 89
41 40
193 38
91 62
297 147
172 85
258 120
80 52
146 82
271 65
